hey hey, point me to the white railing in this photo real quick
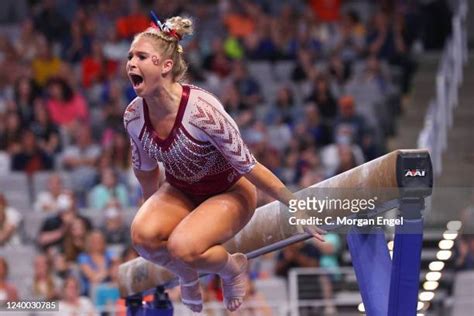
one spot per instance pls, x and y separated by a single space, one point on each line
339 299
439 117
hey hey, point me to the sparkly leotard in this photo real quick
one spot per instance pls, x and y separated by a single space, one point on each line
204 153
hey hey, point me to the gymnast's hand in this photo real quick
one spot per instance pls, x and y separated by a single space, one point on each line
316 232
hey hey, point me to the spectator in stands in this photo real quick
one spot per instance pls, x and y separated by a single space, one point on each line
10 133
108 188
247 86
134 22
464 253
115 231
47 133
389 42
329 260
44 65
289 165
66 107
45 285
305 66
95 262
285 109
54 228
351 33
31 157
26 43
50 22
113 100
95 67
217 62
347 159
119 152
8 291
114 48
319 130
326 11
322 96
72 303
309 164
261 45
339 70
75 239
240 21
81 159
467 214
233 102
350 120
10 220
25 92
299 255
76 45
48 201
61 268
107 295
332 156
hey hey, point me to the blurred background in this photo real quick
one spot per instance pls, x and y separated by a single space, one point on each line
317 87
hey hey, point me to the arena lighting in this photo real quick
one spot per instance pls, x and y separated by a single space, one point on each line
430 285
450 235
454 225
361 307
436 266
420 306
443 254
426 296
390 245
433 276
446 244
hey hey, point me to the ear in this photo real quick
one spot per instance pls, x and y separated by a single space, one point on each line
167 66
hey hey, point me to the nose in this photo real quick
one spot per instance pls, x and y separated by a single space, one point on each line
131 63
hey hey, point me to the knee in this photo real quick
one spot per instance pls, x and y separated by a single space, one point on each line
146 240
183 249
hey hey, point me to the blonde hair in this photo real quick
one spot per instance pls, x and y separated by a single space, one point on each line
167 43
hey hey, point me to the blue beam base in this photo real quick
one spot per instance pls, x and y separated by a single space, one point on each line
406 268
372 266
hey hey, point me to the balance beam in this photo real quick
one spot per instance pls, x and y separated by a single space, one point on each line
270 230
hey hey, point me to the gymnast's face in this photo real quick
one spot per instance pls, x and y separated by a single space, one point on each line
146 68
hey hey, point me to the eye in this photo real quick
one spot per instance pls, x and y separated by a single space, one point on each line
141 57
129 56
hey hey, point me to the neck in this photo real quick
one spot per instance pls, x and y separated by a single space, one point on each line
165 101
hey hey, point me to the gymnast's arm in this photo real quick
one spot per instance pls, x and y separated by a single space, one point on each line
266 181
148 181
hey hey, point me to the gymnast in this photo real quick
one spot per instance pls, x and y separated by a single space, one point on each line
211 177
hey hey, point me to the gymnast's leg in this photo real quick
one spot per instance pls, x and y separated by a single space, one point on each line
197 239
150 230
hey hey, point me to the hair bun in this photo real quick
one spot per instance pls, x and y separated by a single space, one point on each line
182 26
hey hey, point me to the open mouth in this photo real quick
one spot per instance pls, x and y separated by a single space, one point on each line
136 80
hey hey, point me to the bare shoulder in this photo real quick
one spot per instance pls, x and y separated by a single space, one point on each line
133 111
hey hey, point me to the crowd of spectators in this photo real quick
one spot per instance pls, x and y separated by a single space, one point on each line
345 67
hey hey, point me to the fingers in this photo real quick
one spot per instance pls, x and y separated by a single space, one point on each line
316 232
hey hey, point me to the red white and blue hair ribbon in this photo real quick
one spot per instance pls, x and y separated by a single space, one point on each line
164 27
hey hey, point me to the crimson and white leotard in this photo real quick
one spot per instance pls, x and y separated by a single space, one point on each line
204 153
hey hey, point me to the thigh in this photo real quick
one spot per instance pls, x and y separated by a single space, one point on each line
218 218
161 213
